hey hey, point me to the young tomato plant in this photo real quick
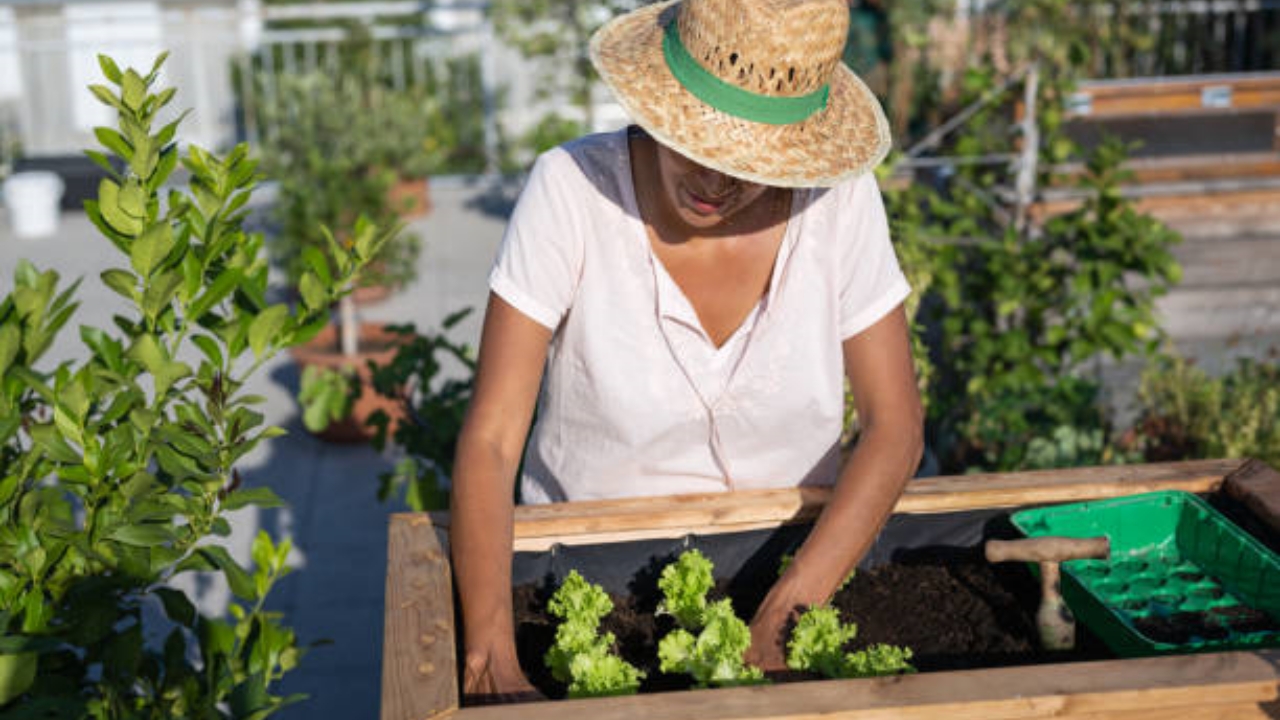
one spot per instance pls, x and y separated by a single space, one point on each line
714 655
581 656
818 641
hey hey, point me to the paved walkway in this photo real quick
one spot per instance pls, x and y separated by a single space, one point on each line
333 516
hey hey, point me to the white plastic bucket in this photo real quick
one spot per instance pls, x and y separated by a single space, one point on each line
32 198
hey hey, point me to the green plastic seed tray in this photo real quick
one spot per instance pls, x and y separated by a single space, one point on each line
1181 577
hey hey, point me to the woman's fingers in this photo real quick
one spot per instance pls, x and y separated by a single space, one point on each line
484 683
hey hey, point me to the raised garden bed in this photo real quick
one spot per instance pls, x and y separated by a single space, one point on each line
982 663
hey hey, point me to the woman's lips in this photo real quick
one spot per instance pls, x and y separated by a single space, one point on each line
704 205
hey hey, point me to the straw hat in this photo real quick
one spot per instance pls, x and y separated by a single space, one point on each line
753 88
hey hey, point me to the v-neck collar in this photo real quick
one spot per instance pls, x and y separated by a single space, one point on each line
671 301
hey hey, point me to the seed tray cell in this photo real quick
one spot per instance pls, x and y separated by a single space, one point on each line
1181 577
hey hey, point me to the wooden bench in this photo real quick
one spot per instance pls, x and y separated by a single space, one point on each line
420 675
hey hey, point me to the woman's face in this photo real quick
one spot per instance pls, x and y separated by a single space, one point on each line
700 197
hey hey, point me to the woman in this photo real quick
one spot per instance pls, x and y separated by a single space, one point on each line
696 288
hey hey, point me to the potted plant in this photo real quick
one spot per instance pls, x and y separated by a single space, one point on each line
338 145
336 391
430 402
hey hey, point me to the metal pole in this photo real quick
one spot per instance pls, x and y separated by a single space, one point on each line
1026 178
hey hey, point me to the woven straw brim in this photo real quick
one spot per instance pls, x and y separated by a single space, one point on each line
847 138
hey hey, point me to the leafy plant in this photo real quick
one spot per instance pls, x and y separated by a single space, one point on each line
818 644
326 396
115 473
1018 307
336 144
1069 446
1186 413
684 585
714 655
581 656
429 437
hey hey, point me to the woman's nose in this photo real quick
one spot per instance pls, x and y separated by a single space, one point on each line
713 181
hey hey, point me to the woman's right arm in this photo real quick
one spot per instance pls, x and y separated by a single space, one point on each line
513 350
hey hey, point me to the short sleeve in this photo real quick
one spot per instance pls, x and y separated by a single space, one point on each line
871 282
540 258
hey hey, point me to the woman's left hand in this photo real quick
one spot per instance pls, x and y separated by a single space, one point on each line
768 649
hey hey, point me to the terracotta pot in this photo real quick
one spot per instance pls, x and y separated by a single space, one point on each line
411 197
376 345
371 294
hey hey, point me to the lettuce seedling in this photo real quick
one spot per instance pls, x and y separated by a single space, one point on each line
818 641
714 656
684 586
581 657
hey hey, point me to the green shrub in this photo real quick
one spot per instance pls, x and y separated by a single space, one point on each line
429 436
117 473
1187 414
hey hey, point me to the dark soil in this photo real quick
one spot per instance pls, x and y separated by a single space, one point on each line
951 608
1189 627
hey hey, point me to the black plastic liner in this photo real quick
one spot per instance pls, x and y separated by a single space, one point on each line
751 558
747 559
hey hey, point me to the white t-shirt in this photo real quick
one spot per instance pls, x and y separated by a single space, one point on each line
636 399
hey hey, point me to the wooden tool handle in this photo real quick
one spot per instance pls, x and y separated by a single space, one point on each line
1047 549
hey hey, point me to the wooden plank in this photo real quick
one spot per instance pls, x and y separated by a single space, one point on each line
1243 711
539 526
1179 205
1153 96
1185 168
419 671
1257 487
1194 684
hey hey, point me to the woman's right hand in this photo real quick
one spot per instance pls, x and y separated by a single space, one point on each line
487 680
513 351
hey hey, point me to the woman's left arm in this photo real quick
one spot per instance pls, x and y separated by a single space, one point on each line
878 364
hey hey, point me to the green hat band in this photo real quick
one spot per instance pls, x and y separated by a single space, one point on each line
732 99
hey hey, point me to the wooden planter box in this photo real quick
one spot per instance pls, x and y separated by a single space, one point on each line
420 678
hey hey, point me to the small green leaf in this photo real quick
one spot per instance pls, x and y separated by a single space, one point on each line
133 199
209 347
142 535
10 339
100 159
134 90
105 96
110 70
260 496
177 606
147 351
266 327
113 141
313 293
237 577
219 289
47 438
191 276
109 205
151 248
160 293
